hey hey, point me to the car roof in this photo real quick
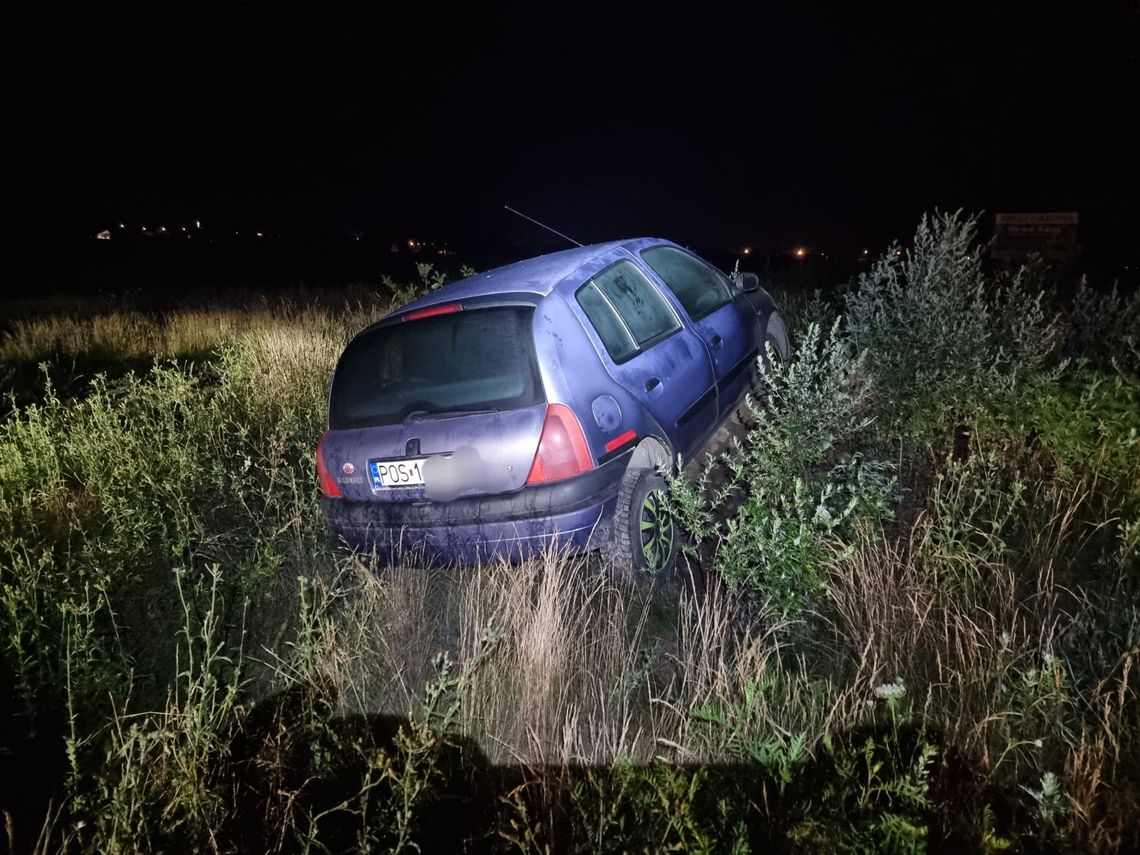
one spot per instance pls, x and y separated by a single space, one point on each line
538 276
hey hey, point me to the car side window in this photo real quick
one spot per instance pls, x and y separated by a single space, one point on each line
700 289
617 339
626 310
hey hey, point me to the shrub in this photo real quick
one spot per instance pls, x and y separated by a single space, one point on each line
1104 329
1087 420
944 340
794 482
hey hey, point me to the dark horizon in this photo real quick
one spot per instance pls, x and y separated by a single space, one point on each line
834 129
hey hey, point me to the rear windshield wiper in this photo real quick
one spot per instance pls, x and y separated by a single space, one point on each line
424 415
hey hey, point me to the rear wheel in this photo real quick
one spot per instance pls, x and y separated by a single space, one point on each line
644 533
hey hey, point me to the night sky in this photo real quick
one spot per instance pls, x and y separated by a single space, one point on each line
836 127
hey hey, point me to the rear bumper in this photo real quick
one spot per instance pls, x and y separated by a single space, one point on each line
514 526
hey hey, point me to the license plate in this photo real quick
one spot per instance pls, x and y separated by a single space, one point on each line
396 473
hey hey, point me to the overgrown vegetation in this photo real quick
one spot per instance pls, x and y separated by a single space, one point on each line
792 485
910 620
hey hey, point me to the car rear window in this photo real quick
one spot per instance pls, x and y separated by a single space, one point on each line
700 289
481 359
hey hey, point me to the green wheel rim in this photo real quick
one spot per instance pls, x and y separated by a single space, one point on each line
656 531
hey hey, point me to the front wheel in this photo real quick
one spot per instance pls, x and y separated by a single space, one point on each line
644 533
777 335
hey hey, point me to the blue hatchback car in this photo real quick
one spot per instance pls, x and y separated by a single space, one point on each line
540 402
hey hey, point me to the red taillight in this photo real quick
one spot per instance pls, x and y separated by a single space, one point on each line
328 485
562 450
432 311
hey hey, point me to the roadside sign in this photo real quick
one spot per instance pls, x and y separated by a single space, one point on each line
1050 235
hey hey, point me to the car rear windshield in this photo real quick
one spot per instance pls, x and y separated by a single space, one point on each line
475 360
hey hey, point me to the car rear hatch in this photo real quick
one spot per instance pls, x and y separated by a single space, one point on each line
444 404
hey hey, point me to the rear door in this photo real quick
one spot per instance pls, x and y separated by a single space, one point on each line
727 327
438 407
648 349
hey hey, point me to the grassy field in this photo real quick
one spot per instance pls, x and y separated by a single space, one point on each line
908 617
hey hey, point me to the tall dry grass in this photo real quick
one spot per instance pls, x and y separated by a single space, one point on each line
131 335
1015 656
584 667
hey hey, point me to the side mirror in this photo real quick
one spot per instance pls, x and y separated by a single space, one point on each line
747 282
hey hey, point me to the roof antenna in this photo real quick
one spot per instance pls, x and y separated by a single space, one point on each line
537 223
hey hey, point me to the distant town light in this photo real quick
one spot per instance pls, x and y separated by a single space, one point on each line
197 224
122 226
747 250
800 252
259 234
162 228
864 252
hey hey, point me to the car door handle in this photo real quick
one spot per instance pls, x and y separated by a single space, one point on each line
715 341
652 383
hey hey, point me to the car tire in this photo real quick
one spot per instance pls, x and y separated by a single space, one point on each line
644 534
777 334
